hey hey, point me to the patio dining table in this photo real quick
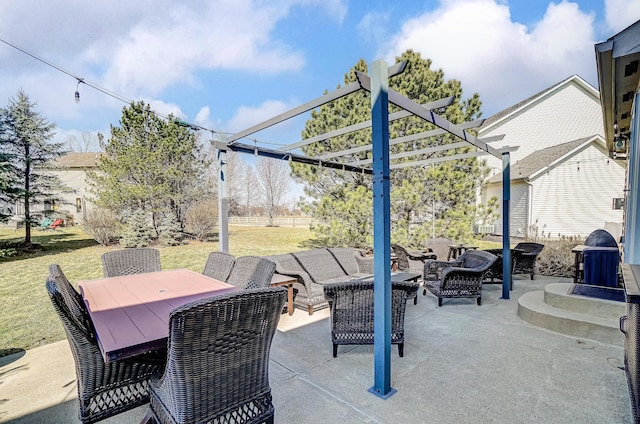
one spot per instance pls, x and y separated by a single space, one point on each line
130 313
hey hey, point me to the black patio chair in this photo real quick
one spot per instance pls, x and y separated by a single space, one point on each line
130 261
218 364
104 389
352 314
410 262
219 265
459 278
524 257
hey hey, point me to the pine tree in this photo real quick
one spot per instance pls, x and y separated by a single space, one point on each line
444 192
150 163
27 152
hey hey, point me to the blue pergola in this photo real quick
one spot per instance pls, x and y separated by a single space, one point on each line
377 83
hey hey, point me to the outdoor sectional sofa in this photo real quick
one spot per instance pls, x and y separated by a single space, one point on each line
314 268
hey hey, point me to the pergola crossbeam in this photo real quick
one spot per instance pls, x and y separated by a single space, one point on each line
430 116
437 104
334 95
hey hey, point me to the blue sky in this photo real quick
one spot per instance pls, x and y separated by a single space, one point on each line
227 65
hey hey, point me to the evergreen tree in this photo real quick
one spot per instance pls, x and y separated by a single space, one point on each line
441 195
26 153
137 230
150 164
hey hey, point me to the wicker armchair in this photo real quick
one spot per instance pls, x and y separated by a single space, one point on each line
459 278
219 265
251 272
222 374
524 257
130 261
493 274
104 389
351 305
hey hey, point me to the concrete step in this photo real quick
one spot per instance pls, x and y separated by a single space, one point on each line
533 309
555 294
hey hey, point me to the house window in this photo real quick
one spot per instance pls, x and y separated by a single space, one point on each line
78 204
49 205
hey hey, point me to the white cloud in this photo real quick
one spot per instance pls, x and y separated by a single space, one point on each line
247 116
619 14
372 26
477 42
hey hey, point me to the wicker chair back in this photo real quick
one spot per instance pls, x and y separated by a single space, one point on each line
130 261
221 374
251 272
219 265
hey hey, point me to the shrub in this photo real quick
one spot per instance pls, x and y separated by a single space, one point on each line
138 231
102 225
556 259
169 232
202 218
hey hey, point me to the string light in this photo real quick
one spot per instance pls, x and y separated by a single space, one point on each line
77 94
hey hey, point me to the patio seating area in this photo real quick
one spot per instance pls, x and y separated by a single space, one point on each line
462 364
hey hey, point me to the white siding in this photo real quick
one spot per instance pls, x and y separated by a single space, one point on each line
571 202
570 113
75 179
518 207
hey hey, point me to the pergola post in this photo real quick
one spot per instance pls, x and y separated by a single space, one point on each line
506 246
223 201
381 230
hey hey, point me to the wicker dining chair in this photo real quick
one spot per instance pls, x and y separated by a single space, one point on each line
352 314
219 265
104 389
250 272
222 374
130 261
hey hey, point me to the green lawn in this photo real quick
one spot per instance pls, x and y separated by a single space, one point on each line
27 318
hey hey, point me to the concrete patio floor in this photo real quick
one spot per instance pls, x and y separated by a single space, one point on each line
462 364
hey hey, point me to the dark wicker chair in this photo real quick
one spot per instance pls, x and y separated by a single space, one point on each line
104 389
524 257
219 375
365 263
408 262
130 261
494 273
459 278
351 305
219 265
251 272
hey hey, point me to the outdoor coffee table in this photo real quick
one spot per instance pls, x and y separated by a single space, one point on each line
130 313
286 281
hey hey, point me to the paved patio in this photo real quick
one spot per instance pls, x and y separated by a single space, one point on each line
462 364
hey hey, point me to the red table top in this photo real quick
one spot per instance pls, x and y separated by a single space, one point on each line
131 313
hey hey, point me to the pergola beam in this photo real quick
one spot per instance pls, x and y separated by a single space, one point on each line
334 95
437 104
430 116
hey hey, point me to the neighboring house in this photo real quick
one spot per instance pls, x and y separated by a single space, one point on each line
562 179
564 190
72 170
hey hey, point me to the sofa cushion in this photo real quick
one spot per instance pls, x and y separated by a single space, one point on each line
320 264
346 259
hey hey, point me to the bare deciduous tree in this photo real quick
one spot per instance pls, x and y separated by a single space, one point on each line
83 143
274 181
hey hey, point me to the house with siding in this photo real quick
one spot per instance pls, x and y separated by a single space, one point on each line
563 182
73 205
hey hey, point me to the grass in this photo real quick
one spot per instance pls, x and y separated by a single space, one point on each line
27 318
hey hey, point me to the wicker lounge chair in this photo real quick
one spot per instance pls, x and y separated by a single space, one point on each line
104 389
351 305
524 257
130 261
220 375
459 278
219 265
251 272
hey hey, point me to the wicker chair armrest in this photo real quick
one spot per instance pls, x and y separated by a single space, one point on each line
435 267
